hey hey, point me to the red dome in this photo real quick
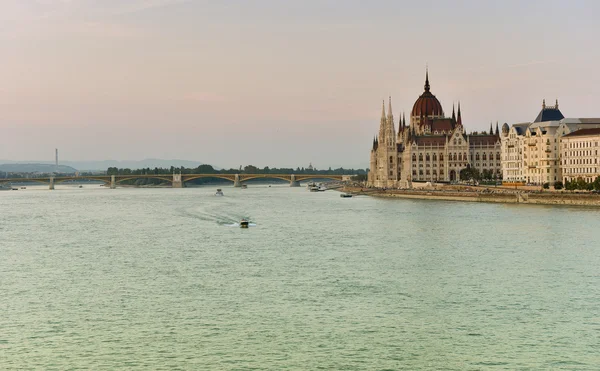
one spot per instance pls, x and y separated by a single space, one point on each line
427 104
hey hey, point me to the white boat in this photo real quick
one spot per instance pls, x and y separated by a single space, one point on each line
219 192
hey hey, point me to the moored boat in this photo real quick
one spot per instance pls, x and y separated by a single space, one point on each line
345 195
244 223
219 192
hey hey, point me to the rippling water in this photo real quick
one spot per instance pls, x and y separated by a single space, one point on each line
160 279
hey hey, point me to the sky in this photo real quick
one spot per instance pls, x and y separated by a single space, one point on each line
276 83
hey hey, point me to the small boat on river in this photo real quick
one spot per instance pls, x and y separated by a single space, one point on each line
219 192
345 195
244 223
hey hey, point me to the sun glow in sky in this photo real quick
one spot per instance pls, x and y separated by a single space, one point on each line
277 83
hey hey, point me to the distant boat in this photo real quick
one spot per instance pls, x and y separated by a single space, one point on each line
80 186
314 189
244 223
219 192
345 195
244 186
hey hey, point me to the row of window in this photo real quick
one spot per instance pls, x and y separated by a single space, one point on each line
455 157
581 170
579 161
581 144
580 153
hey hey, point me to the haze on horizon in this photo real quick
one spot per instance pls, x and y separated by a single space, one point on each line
274 83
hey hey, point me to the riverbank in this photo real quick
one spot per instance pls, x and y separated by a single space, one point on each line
485 195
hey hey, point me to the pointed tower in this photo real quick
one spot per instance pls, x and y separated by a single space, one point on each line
497 131
491 129
458 116
390 134
382 123
453 114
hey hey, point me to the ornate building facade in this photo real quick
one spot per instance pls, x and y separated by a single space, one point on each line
533 152
432 148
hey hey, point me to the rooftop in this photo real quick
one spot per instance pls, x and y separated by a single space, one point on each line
583 132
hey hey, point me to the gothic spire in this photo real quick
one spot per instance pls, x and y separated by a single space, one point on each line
497 131
491 129
453 114
459 117
390 108
426 78
383 110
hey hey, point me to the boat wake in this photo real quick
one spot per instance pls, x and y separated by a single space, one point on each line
238 225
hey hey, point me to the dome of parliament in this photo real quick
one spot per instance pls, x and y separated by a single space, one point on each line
427 104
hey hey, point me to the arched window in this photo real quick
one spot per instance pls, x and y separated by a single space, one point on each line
477 156
455 156
420 157
427 157
435 156
391 159
491 156
465 156
454 141
498 156
414 157
441 157
460 157
484 156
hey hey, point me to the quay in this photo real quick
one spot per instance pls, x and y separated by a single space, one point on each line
499 195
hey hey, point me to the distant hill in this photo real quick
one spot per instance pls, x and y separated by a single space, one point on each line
36 168
105 164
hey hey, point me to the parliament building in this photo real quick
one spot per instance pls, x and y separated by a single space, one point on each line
432 148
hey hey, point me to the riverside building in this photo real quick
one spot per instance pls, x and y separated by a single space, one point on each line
532 151
432 148
579 155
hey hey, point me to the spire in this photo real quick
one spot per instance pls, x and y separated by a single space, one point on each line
453 114
403 119
459 117
426 78
556 103
491 129
390 107
383 110
544 104
497 131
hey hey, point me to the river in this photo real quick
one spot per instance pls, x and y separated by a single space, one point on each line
163 279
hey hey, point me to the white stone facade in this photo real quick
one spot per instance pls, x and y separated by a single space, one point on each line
580 156
531 152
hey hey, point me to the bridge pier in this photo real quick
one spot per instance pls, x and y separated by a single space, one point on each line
113 183
236 181
177 183
51 186
293 181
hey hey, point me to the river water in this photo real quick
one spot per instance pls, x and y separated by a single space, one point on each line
162 279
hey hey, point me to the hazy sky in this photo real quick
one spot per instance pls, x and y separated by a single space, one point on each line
273 82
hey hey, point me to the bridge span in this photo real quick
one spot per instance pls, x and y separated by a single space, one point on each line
177 180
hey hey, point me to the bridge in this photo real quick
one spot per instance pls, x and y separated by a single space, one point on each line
177 180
